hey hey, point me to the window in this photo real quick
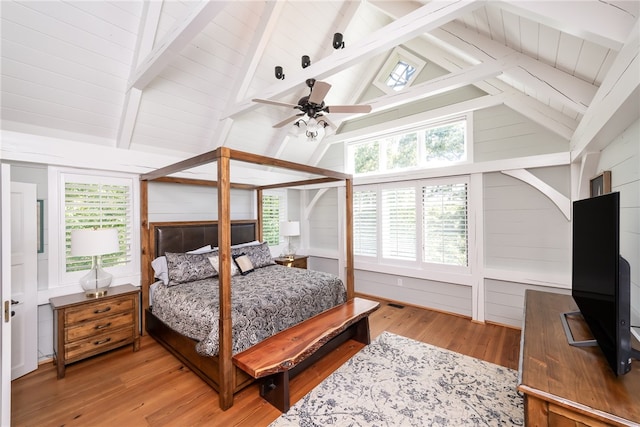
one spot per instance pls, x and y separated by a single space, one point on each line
98 205
365 234
399 223
444 227
91 199
273 212
400 76
429 146
399 71
271 219
419 222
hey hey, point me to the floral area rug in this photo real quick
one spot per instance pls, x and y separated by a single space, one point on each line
396 381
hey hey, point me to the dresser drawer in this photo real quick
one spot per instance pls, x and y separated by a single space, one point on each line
98 326
97 310
97 344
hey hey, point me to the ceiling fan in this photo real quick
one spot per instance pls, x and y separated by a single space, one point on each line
313 105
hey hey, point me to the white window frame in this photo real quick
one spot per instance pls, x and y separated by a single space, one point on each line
397 55
468 148
417 267
59 278
283 214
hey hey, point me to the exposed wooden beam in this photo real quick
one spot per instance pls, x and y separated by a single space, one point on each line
617 102
566 89
426 18
146 36
603 22
261 37
176 39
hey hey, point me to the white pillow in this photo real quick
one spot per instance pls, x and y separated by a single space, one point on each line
160 269
215 262
202 250
242 245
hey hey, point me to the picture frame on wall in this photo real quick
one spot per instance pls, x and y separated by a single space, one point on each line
601 184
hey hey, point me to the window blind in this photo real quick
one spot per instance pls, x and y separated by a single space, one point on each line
399 223
98 205
271 219
445 225
365 220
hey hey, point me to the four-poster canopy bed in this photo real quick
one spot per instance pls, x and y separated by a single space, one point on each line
160 238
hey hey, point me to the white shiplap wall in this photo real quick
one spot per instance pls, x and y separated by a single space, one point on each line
179 202
622 158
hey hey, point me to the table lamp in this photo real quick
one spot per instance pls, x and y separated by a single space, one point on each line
95 242
289 229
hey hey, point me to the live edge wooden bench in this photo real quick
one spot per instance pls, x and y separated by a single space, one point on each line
280 357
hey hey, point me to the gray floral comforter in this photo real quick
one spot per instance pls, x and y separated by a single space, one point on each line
264 302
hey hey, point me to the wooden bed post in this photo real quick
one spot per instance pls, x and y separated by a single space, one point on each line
224 245
349 238
259 202
145 256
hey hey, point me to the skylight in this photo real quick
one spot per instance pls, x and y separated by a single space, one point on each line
400 76
399 71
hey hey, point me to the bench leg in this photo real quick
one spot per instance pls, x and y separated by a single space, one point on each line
361 331
275 390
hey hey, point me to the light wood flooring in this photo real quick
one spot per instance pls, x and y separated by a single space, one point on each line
152 388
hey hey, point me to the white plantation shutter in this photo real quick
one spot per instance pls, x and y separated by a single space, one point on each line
271 219
399 223
445 225
365 223
98 202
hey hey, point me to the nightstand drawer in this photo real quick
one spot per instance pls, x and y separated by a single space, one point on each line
98 326
97 310
97 344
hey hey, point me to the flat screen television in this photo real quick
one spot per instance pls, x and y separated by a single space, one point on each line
601 278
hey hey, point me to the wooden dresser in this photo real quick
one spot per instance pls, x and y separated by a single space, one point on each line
298 261
84 327
565 385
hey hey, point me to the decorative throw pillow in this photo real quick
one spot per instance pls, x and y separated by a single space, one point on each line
183 268
260 255
244 264
215 262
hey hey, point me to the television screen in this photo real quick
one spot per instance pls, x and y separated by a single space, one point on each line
600 282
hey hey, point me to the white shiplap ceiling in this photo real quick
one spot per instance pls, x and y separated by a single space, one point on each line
177 77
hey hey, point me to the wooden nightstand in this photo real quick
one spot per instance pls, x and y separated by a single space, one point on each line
84 327
299 261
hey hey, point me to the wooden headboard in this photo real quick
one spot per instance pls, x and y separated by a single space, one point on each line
186 236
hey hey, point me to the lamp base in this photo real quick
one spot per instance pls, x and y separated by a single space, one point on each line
96 282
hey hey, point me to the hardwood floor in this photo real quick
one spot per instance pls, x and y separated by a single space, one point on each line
152 388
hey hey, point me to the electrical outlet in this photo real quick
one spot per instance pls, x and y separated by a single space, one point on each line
399 281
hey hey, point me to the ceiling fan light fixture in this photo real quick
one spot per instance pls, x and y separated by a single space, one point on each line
279 72
338 43
305 61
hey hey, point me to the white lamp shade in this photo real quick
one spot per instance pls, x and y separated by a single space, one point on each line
290 228
92 242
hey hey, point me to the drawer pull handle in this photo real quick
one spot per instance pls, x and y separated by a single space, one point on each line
102 311
103 326
102 342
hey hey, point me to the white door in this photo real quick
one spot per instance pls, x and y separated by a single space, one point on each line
5 296
24 279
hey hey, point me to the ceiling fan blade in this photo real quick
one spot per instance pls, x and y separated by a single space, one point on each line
287 121
279 104
349 109
318 92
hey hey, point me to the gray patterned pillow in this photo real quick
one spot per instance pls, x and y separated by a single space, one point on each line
260 255
185 268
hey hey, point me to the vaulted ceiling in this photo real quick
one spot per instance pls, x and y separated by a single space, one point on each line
178 77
